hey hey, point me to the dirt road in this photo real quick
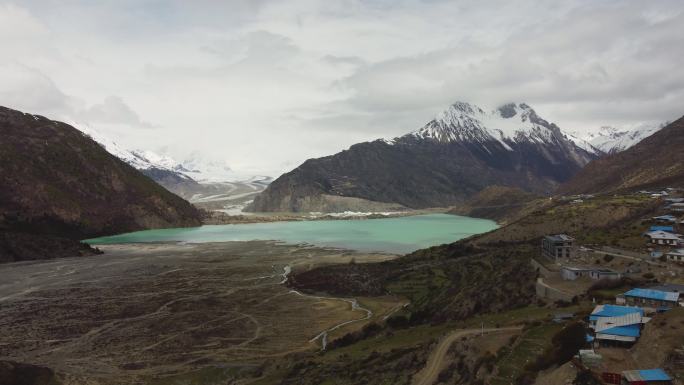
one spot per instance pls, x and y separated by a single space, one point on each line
429 374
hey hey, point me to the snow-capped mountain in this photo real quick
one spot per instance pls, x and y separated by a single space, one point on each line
611 140
205 169
205 182
461 151
140 159
507 124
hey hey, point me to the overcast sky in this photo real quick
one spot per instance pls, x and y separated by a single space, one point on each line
266 84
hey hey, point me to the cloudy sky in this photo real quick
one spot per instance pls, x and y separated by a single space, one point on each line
265 84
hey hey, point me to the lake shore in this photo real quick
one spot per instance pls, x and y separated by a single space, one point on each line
395 235
221 218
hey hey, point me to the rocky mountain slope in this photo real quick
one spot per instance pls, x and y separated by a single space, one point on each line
656 161
611 140
59 186
454 156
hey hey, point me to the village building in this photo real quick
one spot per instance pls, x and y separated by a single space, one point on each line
665 219
677 207
589 358
668 229
615 325
570 273
663 238
652 299
557 246
646 377
675 255
599 274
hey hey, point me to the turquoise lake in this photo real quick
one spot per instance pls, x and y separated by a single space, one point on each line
391 235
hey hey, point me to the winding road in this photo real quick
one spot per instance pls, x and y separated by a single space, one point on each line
429 374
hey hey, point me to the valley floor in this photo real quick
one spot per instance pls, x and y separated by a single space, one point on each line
153 312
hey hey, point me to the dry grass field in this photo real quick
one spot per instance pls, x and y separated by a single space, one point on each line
156 312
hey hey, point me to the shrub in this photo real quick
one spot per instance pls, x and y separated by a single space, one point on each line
398 322
608 257
565 344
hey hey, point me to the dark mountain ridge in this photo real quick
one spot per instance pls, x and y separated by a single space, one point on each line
58 183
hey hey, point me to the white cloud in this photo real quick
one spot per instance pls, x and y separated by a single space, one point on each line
266 84
112 110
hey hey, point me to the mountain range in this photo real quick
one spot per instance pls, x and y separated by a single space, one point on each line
657 161
611 140
206 182
461 151
60 186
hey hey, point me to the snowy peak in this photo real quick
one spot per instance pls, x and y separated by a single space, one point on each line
196 167
612 140
508 124
139 159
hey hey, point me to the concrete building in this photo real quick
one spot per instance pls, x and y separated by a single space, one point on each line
677 207
569 273
675 255
663 238
599 274
558 246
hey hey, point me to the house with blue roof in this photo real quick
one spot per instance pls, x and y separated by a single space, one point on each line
646 376
651 298
665 218
668 229
616 325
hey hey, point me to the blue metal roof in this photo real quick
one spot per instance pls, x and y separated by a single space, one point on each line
653 294
654 375
669 229
627 331
614 311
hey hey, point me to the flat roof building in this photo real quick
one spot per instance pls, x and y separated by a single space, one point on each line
557 246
